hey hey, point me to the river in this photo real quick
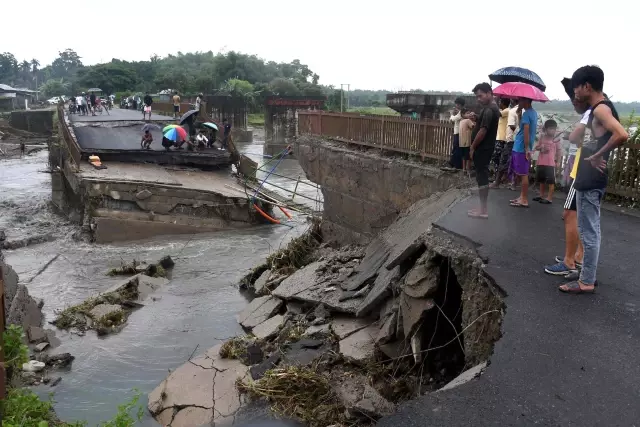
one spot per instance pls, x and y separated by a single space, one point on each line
192 313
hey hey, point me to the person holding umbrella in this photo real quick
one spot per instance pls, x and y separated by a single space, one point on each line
484 139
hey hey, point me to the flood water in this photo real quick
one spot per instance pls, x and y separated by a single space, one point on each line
193 312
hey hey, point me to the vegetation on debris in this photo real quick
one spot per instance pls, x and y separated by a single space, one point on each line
135 267
24 408
233 348
297 253
73 316
298 392
15 351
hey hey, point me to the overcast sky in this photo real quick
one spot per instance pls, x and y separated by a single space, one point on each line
373 44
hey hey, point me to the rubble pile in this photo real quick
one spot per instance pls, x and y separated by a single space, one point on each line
362 328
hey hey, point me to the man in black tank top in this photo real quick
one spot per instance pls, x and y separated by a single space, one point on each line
591 181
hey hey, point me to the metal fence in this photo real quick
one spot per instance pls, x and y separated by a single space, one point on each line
427 138
433 138
70 141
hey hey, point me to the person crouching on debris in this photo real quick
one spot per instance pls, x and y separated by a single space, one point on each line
202 140
147 139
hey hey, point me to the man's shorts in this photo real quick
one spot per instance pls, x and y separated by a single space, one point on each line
176 108
464 152
570 203
546 174
147 108
519 164
481 160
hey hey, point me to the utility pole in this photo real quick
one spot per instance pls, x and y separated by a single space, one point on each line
342 85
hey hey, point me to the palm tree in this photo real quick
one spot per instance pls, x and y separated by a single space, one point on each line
25 69
34 70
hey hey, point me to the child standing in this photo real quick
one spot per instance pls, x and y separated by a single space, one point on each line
147 139
466 129
549 151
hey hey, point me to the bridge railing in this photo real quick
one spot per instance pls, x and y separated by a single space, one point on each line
427 138
69 139
433 138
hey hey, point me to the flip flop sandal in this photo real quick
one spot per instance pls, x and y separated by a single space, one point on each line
477 215
545 202
518 205
537 199
574 288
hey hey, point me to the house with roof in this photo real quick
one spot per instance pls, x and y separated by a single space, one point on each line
15 98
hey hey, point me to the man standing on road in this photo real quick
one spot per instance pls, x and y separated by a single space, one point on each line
92 103
501 138
522 149
484 140
227 133
513 121
592 177
147 105
176 104
456 117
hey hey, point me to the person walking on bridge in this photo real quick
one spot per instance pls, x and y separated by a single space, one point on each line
592 177
176 104
147 106
484 140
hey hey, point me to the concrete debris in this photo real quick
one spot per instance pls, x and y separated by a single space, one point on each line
200 392
24 310
41 347
347 295
413 312
380 291
376 254
305 352
143 195
36 335
101 311
259 310
317 330
258 371
387 330
269 328
33 366
422 280
466 376
345 326
361 400
359 346
260 285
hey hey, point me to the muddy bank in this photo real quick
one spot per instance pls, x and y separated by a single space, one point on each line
356 330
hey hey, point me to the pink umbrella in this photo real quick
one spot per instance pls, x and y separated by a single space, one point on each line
520 90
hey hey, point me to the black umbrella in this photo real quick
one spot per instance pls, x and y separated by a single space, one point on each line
517 74
188 115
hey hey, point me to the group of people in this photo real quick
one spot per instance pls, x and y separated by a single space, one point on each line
196 140
85 104
517 124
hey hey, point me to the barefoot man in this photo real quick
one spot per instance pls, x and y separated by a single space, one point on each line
484 141
591 181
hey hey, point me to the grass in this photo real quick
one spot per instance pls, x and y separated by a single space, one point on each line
296 254
298 392
233 348
256 119
378 111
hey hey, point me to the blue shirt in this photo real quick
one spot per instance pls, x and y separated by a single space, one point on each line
529 117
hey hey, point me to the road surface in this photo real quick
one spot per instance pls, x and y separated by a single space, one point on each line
564 360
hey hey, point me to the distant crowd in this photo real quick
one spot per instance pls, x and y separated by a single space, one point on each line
504 133
85 104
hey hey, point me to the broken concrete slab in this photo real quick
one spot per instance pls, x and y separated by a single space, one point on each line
41 347
259 310
269 328
24 310
362 400
422 280
143 195
376 254
305 352
359 346
381 290
207 383
36 335
52 339
413 311
260 285
466 376
387 330
317 330
147 285
345 326
298 282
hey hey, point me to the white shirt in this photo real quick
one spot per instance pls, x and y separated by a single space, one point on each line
198 103
585 117
202 138
512 120
456 122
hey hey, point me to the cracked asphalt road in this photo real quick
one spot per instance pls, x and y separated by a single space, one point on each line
564 360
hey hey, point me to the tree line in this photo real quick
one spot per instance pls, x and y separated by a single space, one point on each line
232 73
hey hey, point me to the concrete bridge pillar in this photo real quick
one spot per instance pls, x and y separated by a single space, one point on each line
281 120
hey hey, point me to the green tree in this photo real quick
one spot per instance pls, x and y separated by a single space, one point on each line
66 64
8 68
284 87
55 87
110 77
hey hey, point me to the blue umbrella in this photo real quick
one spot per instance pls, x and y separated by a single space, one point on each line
517 74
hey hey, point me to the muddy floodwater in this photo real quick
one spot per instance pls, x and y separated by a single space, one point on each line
193 312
